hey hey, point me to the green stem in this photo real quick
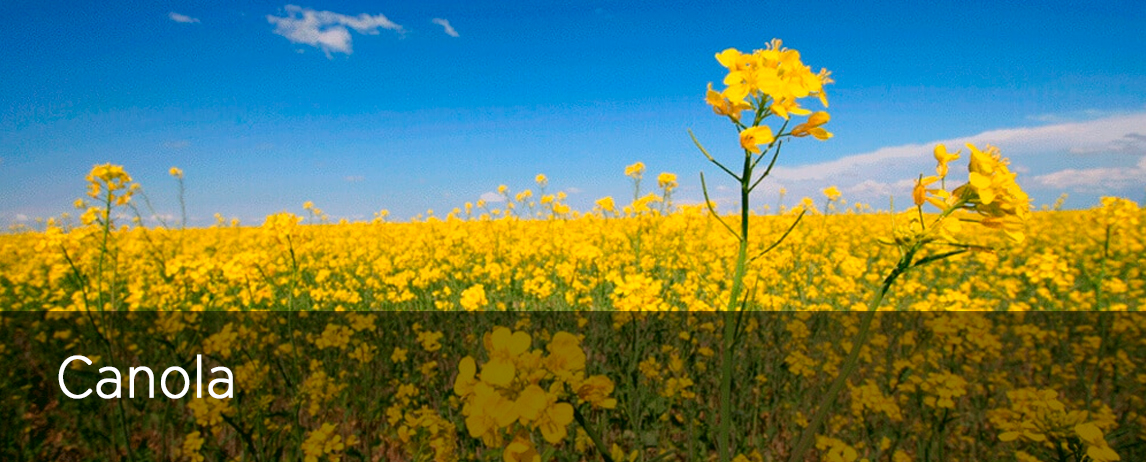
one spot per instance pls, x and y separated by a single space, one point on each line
103 249
725 430
592 436
852 361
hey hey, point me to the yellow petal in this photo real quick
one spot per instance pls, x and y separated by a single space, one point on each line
979 181
530 403
753 137
464 382
729 58
1102 454
498 372
519 343
562 413
820 134
499 339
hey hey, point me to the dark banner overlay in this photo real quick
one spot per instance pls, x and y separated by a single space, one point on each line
568 386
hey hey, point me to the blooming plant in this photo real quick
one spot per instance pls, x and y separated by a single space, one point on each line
521 391
765 83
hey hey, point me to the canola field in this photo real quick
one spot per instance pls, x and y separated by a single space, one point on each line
581 367
963 327
1072 260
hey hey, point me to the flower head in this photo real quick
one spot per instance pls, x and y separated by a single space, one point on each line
635 171
832 193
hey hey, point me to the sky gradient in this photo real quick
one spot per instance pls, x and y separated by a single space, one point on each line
363 106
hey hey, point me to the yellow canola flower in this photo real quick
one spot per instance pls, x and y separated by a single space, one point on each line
474 298
722 106
814 127
993 193
785 107
607 204
566 359
554 421
521 450
1096 446
832 193
943 157
110 178
486 411
503 347
752 138
635 171
774 72
919 193
596 390
191 446
518 391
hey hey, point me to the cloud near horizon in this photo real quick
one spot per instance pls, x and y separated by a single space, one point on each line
327 30
1095 180
492 197
1102 156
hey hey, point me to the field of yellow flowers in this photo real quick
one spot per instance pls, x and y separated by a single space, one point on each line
1072 260
964 327
315 384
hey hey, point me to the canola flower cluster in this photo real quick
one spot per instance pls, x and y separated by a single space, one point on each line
508 396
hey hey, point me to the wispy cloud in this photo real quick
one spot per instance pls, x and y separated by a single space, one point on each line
176 144
1091 149
327 30
1097 180
1076 116
445 25
492 197
182 18
1130 143
355 178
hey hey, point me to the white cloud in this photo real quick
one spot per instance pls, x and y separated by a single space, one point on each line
879 189
1092 136
162 218
1130 143
445 25
1090 148
355 178
176 144
182 18
327 30
492 197
1095 179
20 217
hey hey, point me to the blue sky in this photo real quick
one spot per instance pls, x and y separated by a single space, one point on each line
376 105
